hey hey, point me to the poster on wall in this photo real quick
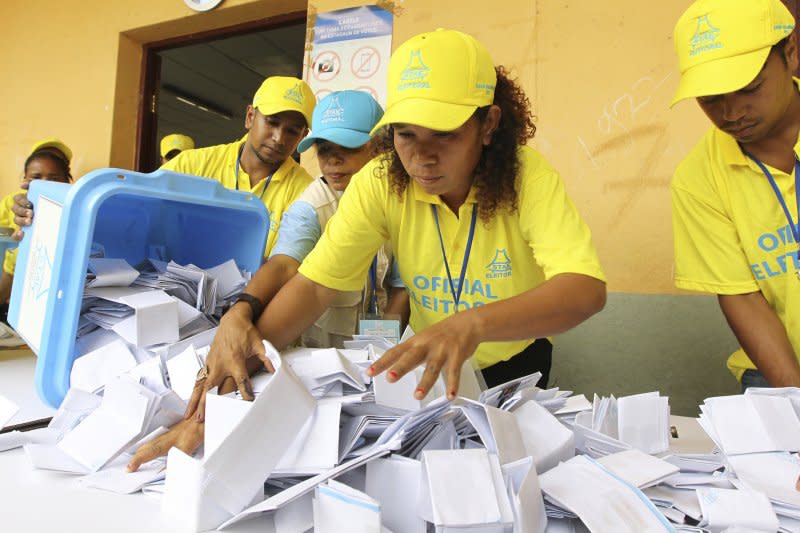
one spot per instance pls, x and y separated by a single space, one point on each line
351 50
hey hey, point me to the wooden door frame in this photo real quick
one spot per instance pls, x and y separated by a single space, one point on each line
147 119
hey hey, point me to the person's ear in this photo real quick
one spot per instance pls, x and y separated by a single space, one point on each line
490 124
249 117
790 51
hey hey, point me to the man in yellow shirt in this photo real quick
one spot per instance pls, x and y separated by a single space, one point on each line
261 162
735 197
173 144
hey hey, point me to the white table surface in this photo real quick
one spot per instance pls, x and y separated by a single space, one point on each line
37 500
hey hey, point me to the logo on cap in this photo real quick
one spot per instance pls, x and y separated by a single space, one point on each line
500 266
334 113
415 74
705 37
295 94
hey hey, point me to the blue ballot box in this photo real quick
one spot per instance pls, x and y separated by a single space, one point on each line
134 216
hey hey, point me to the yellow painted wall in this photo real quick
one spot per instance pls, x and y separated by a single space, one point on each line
600 80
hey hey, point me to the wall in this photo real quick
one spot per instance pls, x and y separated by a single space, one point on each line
61 76
600 81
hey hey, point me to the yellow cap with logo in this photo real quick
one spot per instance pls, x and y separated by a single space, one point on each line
52 142
284 93
722 45
437 80
175 141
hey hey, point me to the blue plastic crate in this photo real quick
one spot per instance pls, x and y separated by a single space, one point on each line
133 216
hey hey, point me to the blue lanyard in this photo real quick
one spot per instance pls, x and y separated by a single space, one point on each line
792 227
456 293
373 279
238 163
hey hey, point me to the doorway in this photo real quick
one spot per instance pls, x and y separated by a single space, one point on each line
200 86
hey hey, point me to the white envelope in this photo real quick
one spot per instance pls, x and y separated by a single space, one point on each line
388 478
458 489
338 507
545 438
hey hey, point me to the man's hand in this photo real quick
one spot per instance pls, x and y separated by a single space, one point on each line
237 339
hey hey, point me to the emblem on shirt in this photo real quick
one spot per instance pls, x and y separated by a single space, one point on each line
334 113
705 38
294 94
415 75
500 266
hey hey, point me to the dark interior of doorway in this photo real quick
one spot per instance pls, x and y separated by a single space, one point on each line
201 86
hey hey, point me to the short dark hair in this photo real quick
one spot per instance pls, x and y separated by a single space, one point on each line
62 163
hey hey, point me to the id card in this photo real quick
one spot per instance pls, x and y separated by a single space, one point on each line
388 329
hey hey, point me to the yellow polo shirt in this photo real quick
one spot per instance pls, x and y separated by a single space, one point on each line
219 163
7 220
515 252
731 235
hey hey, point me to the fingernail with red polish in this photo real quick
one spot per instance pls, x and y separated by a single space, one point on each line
419 391
371 371
392 374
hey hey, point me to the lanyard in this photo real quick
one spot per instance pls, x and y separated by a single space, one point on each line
238 164
456 293
792 227
373 279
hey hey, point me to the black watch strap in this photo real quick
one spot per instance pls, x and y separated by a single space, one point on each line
255 304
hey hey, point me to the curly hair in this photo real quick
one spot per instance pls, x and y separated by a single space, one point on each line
499 165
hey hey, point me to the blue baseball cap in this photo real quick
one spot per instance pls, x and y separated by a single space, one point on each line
344 118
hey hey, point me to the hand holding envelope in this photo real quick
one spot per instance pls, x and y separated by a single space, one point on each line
236 341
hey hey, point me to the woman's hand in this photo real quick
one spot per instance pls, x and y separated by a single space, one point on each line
186 435
236 340
443 346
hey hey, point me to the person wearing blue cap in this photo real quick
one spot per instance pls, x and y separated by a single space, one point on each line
340 131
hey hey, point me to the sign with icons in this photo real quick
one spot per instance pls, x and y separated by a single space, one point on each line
350 50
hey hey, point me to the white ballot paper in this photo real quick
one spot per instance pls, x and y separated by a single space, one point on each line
463 488
724 508
394 482
339 507
751 423
94 369
643 421
638 468
110 428
110 272
204 493
546 439
602 501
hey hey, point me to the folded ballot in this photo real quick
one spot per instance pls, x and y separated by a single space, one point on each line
336 504
751 423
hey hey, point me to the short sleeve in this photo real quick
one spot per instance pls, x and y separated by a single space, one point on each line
352 237
560 239
299 232
708 253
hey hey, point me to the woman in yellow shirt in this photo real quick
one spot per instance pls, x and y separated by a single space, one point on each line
491 249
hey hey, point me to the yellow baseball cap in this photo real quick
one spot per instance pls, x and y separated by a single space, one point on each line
284 93
175 141
437 80
722 45
52 142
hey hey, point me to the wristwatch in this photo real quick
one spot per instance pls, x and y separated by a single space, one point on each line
255 304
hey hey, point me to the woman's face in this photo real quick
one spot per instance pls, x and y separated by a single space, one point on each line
443 162
44 169
338 164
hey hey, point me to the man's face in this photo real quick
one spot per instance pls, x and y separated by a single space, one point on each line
274 138
751 113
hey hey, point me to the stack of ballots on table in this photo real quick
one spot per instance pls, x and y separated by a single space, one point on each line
323 447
